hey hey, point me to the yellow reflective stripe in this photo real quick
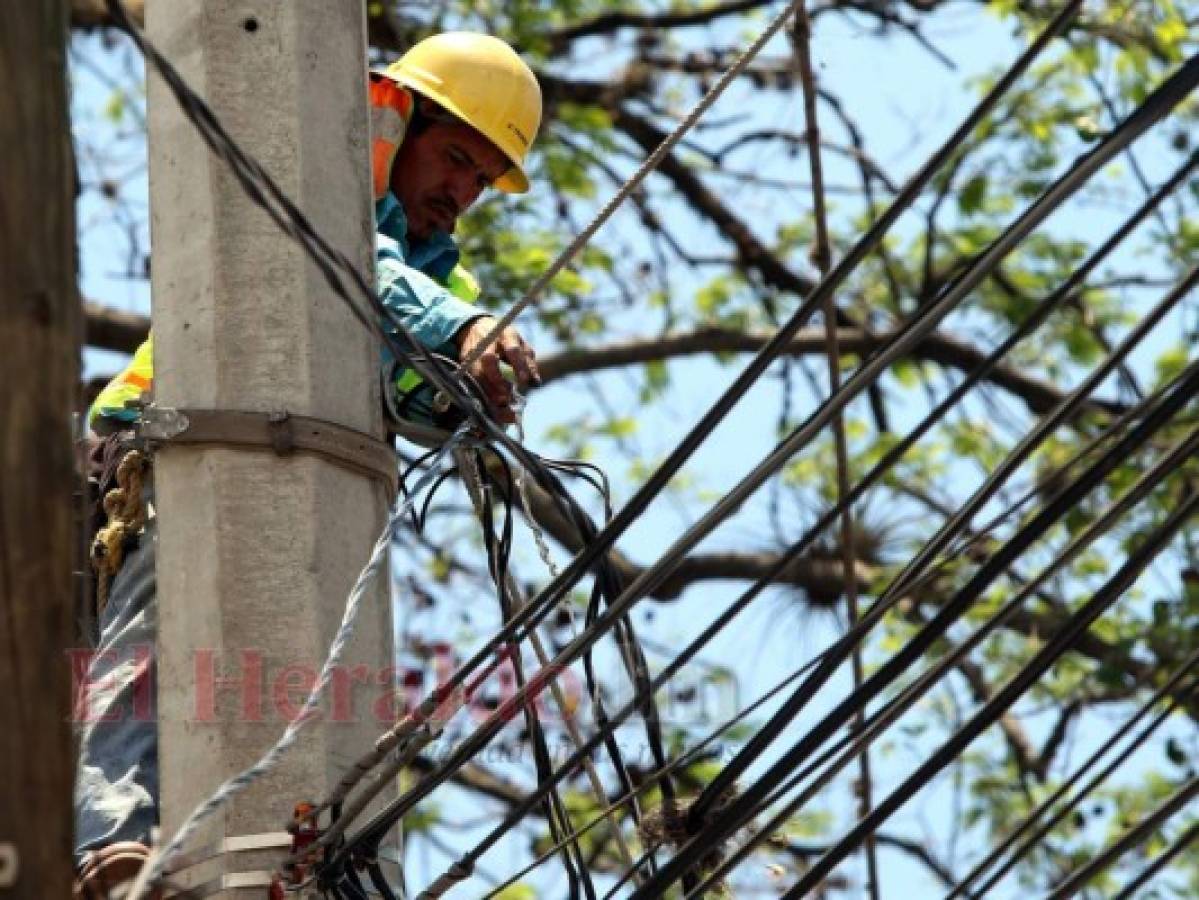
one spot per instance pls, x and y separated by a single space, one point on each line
408 381
463 285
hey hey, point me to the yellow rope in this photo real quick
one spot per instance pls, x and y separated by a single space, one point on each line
125 512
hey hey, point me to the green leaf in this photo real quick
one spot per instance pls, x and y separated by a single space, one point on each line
1171 363
114 109
972 195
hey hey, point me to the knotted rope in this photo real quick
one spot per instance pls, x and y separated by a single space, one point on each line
125 511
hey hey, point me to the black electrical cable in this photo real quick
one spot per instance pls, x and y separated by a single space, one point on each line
736 813
1131 838
769 576
1159 862
895 708
606 584
689 757
1061 641
764 581
685 656
379 880
1039 833
499 554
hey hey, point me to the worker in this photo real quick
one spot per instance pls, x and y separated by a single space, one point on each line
455 115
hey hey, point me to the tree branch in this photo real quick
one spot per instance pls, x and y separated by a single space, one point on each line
951 352
111 329
608 23
106 328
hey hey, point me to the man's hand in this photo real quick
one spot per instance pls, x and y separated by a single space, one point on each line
509 347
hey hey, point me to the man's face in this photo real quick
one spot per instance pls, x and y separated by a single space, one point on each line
440 172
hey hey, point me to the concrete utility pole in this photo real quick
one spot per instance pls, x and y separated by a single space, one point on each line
257 551
39 372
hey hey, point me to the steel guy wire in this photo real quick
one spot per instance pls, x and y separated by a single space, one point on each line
275 754
1155 107
1176 698
1159 862
735 813
626 190
895 708
1078 623
603 540
1131 838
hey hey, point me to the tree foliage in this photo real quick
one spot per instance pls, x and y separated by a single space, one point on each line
704 262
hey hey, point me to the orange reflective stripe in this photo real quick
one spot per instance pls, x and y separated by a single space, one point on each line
138 381
391 108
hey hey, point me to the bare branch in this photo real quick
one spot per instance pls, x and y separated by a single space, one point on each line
608 23
106 328
1039 396
1027 759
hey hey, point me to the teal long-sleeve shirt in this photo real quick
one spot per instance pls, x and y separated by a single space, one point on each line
409 274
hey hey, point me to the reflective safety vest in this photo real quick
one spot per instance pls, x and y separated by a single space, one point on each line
114 402
391 111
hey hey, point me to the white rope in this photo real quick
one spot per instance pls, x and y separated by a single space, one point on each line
235 785
651 163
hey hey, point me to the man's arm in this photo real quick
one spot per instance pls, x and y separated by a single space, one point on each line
451 326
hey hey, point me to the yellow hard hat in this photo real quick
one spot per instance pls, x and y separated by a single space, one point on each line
482 81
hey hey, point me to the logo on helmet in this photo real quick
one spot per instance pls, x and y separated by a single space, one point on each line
520 134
